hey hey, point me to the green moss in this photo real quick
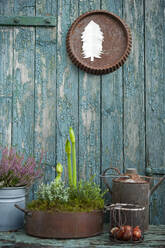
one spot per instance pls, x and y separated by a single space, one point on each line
70 206
85 198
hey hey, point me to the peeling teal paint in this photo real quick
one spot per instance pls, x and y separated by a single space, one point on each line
118 118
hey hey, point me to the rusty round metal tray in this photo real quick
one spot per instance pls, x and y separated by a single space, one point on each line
63 225
116 44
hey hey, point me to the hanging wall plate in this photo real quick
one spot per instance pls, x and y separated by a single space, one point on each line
99 42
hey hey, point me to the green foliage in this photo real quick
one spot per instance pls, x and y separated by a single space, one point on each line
87 194
85 198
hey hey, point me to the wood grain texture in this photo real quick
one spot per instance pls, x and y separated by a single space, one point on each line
118 118
6 76
133 76
45 90
155 98
89 115
155 87
67 82
157 203
23 90
112 109
6 7
6 61
5 121
23 84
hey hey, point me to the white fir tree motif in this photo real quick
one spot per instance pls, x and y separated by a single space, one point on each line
92 38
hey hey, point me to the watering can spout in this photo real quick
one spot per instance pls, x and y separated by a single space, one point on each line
157 185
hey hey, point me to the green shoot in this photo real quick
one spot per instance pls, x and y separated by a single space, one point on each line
68 151
72 138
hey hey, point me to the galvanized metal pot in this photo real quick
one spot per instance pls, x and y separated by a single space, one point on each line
11 218
131 188
63 225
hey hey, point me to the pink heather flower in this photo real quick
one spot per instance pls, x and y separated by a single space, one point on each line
14 171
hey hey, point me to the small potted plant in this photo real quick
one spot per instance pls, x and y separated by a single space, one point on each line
66 211
16 176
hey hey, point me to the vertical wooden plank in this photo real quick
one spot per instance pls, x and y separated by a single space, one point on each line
6 61
67 81
112 108
157 203
155 98
6 7
5 121
89 115
24 7
6 52
45 89
23 85
155 87
6 75
134 110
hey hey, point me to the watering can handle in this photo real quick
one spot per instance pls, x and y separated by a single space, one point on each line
23 210
157 185
104 178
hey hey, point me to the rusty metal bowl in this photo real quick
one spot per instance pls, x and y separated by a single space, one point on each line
63 225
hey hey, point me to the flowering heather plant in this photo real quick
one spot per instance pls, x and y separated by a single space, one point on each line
15 171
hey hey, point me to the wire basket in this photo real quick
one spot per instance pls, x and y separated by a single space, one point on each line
126 222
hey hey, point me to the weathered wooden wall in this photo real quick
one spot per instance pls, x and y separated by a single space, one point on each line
118 118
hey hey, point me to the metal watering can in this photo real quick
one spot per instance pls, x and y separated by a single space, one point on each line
131 188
